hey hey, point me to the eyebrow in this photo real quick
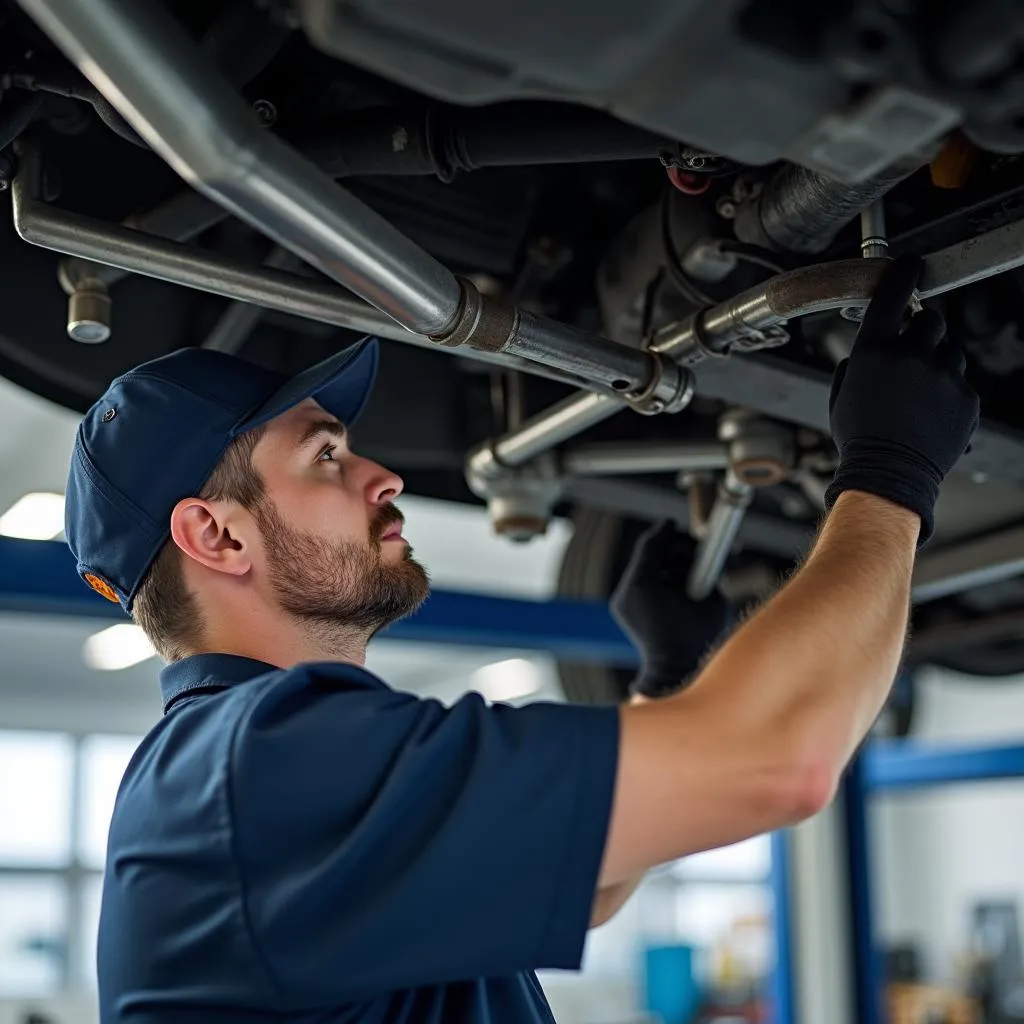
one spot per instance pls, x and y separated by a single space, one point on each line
315 429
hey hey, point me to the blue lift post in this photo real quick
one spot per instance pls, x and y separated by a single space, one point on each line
867 974
782 997
40 577
902 765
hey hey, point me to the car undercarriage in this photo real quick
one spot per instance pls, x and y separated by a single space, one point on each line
614 252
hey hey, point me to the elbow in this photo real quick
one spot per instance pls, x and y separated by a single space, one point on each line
806 788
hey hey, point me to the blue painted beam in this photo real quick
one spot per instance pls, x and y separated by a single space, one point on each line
39 576
782 981
889 765
577 630
868 971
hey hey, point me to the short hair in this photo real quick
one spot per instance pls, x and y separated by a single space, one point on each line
164 607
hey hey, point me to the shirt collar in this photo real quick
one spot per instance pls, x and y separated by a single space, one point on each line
202 670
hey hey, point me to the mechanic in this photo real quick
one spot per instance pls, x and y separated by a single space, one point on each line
296 841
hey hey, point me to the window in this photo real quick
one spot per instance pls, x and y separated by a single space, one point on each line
35 798
104 760
85 969
56 798
33 930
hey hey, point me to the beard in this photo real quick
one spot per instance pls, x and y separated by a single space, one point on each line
343 585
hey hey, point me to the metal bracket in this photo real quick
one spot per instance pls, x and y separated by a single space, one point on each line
755 339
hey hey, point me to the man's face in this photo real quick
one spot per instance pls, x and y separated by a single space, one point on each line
333 544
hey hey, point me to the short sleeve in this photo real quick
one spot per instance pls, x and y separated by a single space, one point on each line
385 842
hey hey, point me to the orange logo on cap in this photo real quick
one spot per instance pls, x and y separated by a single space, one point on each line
102 587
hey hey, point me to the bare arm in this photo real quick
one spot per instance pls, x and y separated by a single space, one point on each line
610 899
759 740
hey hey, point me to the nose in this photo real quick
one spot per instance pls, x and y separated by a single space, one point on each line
382 486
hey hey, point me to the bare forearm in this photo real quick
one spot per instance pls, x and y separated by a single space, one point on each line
610 899
818 660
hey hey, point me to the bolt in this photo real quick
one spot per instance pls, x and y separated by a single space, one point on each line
266 112
89 314
726 208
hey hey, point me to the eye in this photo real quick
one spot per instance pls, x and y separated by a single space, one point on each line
327 455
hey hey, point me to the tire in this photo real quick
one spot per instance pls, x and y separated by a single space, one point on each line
594 560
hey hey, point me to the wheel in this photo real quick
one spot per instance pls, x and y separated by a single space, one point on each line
594 560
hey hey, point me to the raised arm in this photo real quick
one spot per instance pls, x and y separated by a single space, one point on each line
760 738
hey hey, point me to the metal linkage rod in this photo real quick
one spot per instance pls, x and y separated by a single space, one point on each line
643 457
119 246
874 244
956 266
732 501
760 453
181 218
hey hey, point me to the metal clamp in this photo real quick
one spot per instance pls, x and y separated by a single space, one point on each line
688 343
670 389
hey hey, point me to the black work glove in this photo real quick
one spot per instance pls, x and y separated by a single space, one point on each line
901 412
671 632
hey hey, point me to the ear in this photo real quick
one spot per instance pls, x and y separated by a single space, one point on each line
212 534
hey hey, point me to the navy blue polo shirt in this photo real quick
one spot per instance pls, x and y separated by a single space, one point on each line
311 845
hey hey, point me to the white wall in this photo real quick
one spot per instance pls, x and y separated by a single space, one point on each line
939 851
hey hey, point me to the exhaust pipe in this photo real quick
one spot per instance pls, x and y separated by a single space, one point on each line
141 59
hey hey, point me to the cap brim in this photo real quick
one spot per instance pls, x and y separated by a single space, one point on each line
341 384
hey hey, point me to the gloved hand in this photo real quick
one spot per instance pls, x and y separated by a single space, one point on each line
671 632
901 412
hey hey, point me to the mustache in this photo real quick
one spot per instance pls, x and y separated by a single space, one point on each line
388 516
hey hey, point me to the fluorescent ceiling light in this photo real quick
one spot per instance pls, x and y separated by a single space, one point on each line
35 516
117 647
506 680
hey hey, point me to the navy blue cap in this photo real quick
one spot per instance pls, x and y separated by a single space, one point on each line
158 432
